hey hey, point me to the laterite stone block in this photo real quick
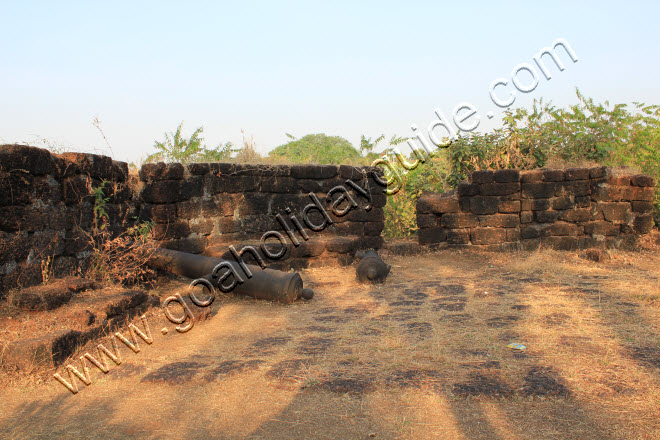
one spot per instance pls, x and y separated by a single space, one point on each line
458 220
437 204
482 205
488 235
432 235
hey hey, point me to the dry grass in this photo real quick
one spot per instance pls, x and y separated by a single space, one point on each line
560 163
121 258
372 365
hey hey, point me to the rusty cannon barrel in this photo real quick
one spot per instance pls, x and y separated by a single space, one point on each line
268 284
371 269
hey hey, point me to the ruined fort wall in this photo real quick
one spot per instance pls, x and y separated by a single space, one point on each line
564 209
207 207
46 205
47 208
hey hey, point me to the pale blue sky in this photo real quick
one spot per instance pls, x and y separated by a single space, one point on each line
341 68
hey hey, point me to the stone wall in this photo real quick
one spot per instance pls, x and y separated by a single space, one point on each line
46 208
323 214
564 209
207 207
45 201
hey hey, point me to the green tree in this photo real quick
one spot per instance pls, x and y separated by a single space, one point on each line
317 148
221 153
177 148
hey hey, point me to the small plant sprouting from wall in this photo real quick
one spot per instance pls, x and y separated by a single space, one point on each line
100 202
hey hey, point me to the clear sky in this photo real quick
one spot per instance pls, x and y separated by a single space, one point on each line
270 68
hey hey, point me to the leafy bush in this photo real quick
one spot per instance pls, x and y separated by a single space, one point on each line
400 210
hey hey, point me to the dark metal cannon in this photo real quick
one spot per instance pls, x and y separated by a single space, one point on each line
371 269
269 284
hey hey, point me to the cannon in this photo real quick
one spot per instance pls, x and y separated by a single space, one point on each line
268 284
371 269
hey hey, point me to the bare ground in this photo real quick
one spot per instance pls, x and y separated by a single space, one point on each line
422 356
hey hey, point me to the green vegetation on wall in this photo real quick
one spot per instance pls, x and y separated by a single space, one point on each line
586 133
582 134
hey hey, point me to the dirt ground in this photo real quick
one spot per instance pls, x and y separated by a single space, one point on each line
422 356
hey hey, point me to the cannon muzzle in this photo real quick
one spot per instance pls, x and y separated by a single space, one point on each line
371 269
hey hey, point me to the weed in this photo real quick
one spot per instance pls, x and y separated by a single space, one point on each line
46 269
119 258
